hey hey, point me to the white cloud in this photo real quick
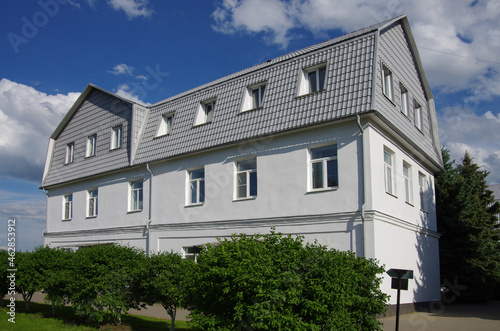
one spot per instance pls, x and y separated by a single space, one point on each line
122 69
466 30
462 130
132 8
130 94
27 118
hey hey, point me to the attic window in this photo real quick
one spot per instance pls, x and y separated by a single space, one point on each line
116 137
70 153
205 112
253 97
312 79
165 125
404 100
418 115
387 82
91 145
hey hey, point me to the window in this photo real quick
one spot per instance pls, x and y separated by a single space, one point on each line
67 206
246 179
387 82
312 79
92 203
91 144
191 252
197 186
116 137
70 153
408 182
418 116
136 197
165 125
253 97
205 112
324 169
404 100
389 171
423 189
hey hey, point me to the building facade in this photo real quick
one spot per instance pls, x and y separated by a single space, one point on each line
337 142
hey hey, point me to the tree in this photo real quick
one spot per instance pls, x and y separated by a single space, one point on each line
4 281
275 282
165 279
28 277
469 244
104 277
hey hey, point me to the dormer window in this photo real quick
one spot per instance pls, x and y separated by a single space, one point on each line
205 112
91 145
387 82
165 125
254 96
312 79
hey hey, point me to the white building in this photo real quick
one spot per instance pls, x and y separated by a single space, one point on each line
337 142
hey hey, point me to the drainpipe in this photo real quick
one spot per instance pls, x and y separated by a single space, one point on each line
150 209
363 205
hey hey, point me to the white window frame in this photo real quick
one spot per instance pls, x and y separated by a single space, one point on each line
247 175
304 84
197 184
323 161
407 176
249 101
389 172
92 200
205 113
418 115
67 207
404 101
90 149
422 186
70 153
116 137
191 252
136 195
387 82
165 126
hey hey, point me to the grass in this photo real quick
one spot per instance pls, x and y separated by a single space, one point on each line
40 318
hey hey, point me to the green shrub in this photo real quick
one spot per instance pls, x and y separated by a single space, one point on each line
275 282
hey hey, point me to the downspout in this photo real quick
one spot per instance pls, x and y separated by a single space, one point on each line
362 163
150 210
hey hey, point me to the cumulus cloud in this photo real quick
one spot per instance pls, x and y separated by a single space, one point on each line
122 69
132 8
463 130
130 94
458 39
27 118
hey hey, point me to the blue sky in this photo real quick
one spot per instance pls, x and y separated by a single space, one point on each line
150 50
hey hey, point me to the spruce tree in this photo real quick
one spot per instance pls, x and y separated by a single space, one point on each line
469 244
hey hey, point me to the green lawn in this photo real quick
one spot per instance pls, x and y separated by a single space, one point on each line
40 318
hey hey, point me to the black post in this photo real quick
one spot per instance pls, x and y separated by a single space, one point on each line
397 305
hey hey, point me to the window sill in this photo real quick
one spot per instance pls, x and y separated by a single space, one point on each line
163 135
68 163
134 211
409 204
114 149
201 124
319 190
309 93
389 99
194 205
392 195
245 199
89 157
90 217
250 109
66 220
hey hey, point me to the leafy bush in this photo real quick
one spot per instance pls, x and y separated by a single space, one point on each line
274 282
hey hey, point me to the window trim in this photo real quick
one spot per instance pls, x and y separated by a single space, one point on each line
187 255
304 86
116 142
198 181
422 187
66 201
89 198
140 198
248 185
70 153
390 188
418 115
324 162
203 115
165 125
91 145
387 82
